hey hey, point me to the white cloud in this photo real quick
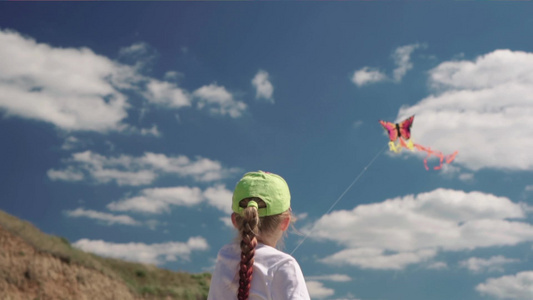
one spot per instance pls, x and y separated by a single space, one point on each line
139 49
482 108
373 258
157 200
219 197
301 216
368 75
402 59
201 169
317 290
144 253
529 188
106 218
454 171
466 176
68 174
151 131
263 86
218 101
493 264
227 221
526 207
71 142
130 170
349 296
173 75
330 277
438 265
515 287
412 229
140 55
74 89
166 94
141 177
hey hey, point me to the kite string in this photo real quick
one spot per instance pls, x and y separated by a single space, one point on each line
342 195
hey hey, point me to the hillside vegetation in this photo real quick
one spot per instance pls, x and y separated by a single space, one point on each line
35 265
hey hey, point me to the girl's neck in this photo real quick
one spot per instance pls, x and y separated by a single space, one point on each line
271 240
268 242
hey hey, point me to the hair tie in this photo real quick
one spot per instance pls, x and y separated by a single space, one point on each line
252 203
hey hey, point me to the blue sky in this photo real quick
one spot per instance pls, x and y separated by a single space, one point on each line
126 126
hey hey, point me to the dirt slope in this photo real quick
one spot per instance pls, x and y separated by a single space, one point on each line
38 266
27 273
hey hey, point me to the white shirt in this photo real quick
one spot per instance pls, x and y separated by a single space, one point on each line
276 276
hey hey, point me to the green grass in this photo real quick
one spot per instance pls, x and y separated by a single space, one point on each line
144 280
151 281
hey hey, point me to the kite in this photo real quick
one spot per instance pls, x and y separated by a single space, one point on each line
400 137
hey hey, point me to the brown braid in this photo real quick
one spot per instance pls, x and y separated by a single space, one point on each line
253 229
248 232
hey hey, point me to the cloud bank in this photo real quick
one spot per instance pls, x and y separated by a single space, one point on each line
514 287
482 108
492 264
159 200
142 170
106 218
76 89
144 253
412 229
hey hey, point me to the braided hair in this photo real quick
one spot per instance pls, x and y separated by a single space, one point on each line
251 227
248 232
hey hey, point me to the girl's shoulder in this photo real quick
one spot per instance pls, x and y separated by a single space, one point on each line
268 250
272 256
265 256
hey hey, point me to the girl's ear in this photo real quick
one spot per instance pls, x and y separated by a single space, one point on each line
285 223
234 221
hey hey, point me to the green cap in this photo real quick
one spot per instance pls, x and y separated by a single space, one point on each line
271 188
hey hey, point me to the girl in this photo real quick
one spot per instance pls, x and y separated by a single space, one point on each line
253 268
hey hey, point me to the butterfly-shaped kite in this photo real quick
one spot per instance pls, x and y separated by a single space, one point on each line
401 132
400 137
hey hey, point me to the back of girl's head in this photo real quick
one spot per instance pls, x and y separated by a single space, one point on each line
261 201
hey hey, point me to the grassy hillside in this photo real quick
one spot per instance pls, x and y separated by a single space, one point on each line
144 281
